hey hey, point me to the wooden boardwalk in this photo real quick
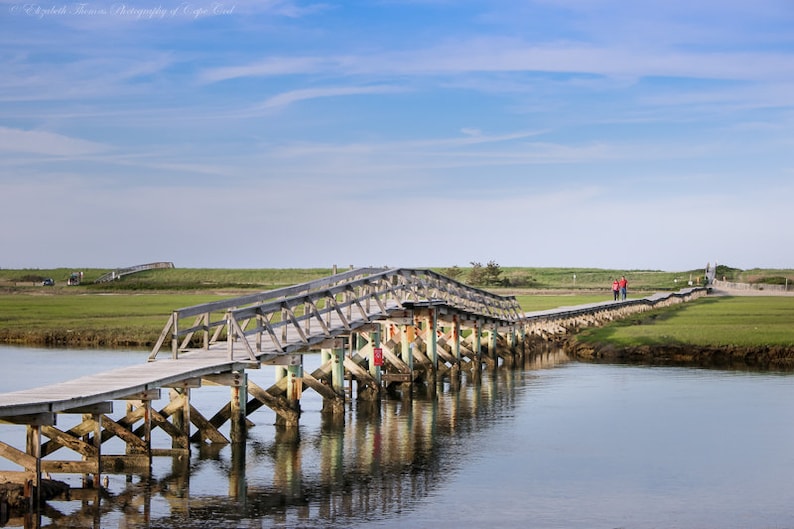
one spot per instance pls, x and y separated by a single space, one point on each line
118 384
384 330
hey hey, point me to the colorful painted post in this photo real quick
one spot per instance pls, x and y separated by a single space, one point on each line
432 337
455 345
295 385
337 355
407 353
374 362
239 398
493 340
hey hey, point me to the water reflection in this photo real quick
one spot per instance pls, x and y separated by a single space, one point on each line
579 446
380 461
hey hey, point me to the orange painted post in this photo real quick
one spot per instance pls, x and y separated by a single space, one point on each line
376 360
294 385
456 337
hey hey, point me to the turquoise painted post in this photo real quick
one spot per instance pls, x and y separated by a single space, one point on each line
493 340
338 370
432 337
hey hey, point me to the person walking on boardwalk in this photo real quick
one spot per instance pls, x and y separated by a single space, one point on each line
615 289
624 285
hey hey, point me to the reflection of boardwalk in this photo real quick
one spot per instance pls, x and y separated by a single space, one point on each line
357 469
380 332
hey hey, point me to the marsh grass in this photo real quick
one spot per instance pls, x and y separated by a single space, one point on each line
715 321
133 311
269 278
90 320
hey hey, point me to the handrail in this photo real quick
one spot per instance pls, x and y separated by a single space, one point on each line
367 291
120 272
338 304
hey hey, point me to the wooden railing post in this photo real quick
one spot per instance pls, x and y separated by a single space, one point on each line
174 335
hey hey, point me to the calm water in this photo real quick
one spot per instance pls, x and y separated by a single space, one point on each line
563 445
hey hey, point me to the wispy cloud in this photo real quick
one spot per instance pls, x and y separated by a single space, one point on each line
46 143
497 54
288 98
271 66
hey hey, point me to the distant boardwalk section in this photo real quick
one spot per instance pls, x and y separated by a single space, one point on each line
729 287
118 273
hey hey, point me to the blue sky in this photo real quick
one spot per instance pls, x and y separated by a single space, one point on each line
268 133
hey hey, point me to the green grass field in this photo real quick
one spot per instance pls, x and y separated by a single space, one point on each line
712 321
268 278
133 311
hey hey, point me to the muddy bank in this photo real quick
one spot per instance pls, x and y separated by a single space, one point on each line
757 357
14 498
110 339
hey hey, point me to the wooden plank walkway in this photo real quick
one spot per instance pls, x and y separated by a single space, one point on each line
116 384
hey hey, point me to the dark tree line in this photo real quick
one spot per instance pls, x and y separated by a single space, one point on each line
488 275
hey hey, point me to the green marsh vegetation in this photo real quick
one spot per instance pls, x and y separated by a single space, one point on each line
722 321
131 312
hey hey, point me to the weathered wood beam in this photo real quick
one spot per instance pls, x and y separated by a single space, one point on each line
149 394
74 443
126 463
16 476
362 375
93 409
233 379
134 443
177 435
324 390
26 461
35 419
206 431
90 466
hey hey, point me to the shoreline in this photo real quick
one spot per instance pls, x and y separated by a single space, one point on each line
778 357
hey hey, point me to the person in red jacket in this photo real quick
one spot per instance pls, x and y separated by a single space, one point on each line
624 285
615 289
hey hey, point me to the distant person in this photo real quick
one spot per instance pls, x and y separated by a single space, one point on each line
624 286
615 289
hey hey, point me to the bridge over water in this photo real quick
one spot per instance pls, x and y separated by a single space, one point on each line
380 332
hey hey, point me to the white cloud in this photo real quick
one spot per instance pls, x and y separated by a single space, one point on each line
46 143
288 98
269 67
498 54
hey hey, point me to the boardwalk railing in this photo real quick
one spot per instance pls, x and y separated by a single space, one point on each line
294 318
121 272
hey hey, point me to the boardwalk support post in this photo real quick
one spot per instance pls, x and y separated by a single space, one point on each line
239 397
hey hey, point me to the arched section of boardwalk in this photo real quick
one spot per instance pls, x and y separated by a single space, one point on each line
297 318
378 331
